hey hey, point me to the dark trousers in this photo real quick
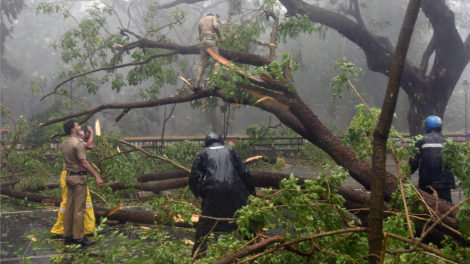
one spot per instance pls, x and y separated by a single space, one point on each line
75 208
202 232
444 194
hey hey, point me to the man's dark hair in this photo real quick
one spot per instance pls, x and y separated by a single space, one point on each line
85 129
69 125
210 15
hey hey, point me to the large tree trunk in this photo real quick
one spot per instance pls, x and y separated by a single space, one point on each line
412 117
432 102
121 215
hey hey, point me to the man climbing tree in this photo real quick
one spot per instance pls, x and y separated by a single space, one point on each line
207 26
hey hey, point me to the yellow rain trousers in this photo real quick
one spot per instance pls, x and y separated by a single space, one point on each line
58 228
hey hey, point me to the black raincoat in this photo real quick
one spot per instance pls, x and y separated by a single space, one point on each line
221 179
429 162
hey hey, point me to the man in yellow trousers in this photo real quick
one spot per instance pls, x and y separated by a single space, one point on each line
58 229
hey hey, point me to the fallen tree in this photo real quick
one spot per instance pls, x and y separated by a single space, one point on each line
159 176
122 216
355 199
296 115
357 202
265 179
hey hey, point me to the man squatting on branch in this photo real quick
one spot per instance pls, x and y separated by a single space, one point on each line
221 179
76 165
429 161
207 26
86 133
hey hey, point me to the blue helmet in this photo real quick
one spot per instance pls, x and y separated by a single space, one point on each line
432 122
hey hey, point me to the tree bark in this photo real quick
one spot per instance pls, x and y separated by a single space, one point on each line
12 183
121 215
382 131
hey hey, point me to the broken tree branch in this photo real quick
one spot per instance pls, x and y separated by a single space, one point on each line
6 176
121 115
265 243
177 2
145 104
357 202
164 123
17 180
121 215
109 68
164 158
272 45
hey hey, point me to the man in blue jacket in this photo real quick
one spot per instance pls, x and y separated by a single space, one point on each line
221 179
429 161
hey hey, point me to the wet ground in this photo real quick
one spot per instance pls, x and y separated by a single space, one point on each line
20 223
14 227
20 228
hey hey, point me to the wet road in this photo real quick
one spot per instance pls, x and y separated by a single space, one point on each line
16 228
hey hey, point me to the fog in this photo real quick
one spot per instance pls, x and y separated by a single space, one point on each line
34 49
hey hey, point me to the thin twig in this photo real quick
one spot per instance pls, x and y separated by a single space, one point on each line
100 197
109 68
6 176
437 207
164 124
203 241
384 246
164 158
418 242
397 164
330 245
414 258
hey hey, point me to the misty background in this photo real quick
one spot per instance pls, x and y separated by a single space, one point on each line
28 49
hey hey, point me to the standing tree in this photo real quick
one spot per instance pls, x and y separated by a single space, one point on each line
10 11
428 92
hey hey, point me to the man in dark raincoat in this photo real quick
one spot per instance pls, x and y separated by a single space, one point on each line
429 161
221 179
